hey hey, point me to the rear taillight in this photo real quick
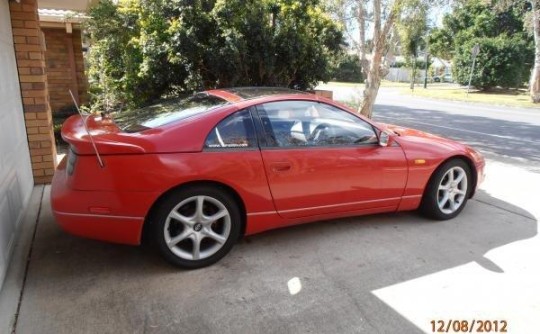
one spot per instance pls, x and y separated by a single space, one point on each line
71 161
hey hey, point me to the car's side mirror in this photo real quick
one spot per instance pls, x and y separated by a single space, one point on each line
384 138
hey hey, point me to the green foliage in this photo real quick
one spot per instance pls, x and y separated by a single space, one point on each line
506 50
348 69
145 49
412 29
58 118
441 43
503 61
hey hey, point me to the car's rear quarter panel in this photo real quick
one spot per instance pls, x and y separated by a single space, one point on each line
157 173
129 185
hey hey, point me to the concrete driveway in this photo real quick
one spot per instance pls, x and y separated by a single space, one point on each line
391 273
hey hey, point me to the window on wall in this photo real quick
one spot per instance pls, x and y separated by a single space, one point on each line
305 123
235 131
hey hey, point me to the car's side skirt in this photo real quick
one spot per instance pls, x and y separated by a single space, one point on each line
264 221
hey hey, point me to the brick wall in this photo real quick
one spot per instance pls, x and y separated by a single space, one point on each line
65 67
30 56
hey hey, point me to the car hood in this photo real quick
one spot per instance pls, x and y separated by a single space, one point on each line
420 143
404 133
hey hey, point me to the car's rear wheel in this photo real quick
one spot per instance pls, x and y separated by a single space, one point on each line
196 227
447 191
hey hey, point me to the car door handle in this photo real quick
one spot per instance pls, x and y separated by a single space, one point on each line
281 166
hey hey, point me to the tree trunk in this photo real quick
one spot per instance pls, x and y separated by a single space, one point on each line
534 84
373 82
364 63
413 75
376 69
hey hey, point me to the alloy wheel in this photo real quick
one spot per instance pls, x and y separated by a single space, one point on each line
197 227
452 190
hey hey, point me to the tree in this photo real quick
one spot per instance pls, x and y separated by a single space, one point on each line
375 69
534 83
531 11
505 49
145 49
412 29
374 22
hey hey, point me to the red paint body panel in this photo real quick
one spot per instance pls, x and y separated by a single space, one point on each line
419 145
143 178
265 222
368 177
278 187
72 210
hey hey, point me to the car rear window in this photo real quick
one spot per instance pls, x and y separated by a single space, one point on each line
165 112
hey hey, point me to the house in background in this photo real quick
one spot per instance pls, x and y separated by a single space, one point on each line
400 73
39 61
441 66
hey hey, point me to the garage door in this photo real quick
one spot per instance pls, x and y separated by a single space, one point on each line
15 168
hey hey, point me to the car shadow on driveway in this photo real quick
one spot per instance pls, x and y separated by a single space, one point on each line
313 278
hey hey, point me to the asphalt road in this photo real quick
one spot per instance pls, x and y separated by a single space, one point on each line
391 273
502 133
505 134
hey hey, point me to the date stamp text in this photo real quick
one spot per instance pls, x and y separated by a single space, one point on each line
469 326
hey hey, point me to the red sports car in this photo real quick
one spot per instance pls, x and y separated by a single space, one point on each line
196 174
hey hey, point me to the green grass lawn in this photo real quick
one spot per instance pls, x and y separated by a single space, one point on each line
384 83
514 98
443 91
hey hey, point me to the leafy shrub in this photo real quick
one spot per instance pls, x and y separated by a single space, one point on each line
503 61
348 69
506 50
146 49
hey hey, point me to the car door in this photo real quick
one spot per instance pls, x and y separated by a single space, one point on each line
320 159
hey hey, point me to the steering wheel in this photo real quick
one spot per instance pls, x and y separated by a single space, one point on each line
319 133
365 139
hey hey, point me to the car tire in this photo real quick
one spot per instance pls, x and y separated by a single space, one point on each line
197 226
447 191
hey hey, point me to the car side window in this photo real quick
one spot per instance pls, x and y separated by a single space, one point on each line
234 131
306 123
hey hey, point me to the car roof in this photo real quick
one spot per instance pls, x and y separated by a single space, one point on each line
237 94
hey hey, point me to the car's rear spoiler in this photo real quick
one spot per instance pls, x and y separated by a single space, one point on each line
100 161
88 134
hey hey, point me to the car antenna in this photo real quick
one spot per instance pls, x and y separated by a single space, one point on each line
86 128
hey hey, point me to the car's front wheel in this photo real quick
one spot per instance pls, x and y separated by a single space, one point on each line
447 191
196 227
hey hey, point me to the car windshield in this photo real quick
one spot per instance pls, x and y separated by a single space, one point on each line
165 112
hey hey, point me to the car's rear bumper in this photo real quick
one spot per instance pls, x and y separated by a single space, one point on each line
124 230
103 215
